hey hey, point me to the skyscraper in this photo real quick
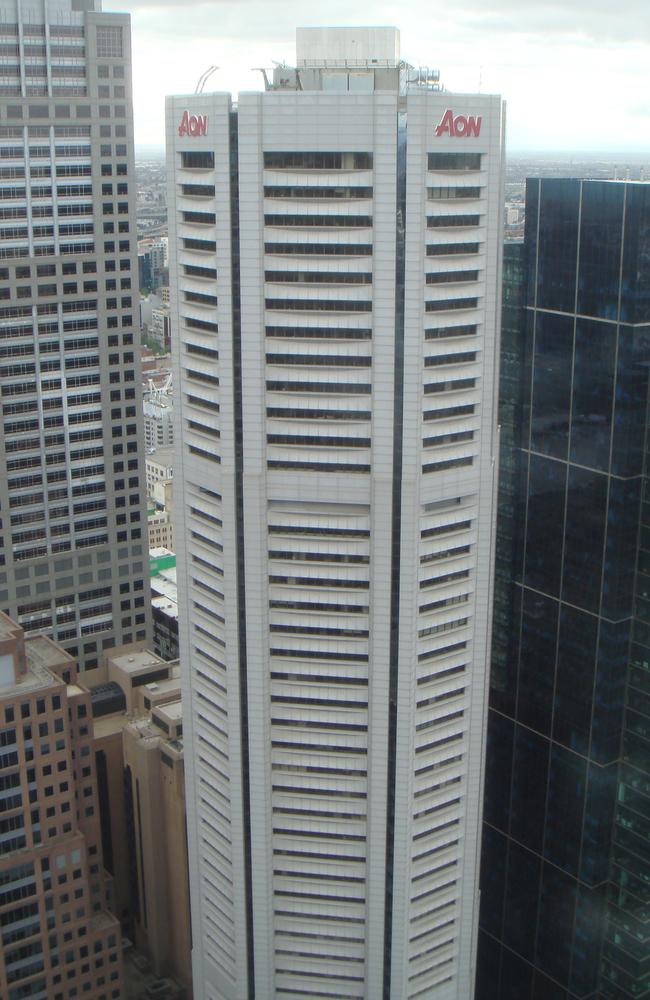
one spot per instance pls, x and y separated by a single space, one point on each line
73 535
566 866
335 272
59 939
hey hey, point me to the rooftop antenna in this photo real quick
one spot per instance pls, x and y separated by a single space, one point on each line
203 79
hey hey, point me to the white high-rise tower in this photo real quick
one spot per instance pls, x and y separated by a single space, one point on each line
335 269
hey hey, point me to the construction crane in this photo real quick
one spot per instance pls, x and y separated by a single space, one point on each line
157 393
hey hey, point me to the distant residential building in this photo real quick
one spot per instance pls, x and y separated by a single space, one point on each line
164 608
58 937
158 423
152 262
139 744
161 529
145 270
159 331
163 291
159 470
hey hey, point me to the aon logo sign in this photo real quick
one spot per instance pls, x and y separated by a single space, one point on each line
458 125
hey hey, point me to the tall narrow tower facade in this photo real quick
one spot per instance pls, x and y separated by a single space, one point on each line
73 524
335 266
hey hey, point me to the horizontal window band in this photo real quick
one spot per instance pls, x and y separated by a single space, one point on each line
317 332
319 221
454 161
320 747
316 581
320 654
306 160
445 305
200 218
335 557
289 629
305 440
441 332
452 221
336 193
450 411
445 529
204 246
198 190
333 388
461 358
451 385
452 193
451 277
194 271
444 554
292 413
320 249
451 249
318 305
318 466
319 678
323 360
319 277
450 463
197 160
296 529
441 651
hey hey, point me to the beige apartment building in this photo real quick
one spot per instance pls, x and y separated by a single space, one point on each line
138 739
58 936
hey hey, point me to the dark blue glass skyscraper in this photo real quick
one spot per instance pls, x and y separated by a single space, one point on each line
565 911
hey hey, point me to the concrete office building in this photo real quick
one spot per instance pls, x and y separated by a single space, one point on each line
58 938
73 534
566 866
139 753
335 282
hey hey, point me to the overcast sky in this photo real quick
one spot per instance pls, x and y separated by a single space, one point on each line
575 73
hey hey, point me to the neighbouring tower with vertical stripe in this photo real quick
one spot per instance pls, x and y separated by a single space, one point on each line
335 247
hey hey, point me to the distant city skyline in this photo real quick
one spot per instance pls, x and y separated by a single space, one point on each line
574 79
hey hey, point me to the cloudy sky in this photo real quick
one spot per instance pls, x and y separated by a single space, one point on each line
575 73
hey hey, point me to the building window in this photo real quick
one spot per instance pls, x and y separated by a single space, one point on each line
109 42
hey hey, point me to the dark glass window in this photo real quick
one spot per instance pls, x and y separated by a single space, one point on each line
521 900
557 244
601 224
546 488
556 914
529 771
593 393
537 661
629 412
197 159
454 161
551 401
584 540
635 290
500 739
317 161
575 678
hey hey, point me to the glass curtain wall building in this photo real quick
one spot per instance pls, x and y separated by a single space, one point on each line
566 850
73 535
